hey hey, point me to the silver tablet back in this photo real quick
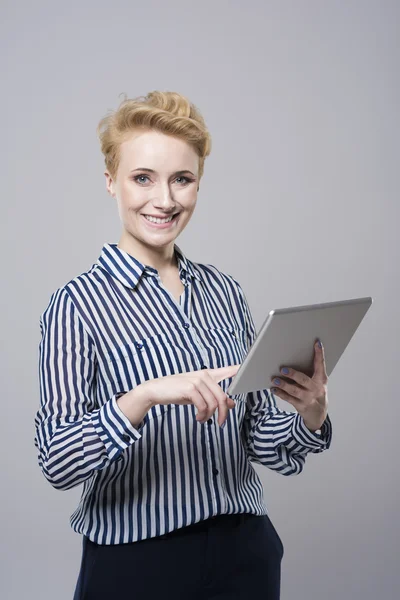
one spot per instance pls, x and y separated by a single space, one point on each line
287 336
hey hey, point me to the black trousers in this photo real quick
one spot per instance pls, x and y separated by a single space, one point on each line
227 557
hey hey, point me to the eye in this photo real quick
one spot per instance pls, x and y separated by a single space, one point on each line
187 180
137 177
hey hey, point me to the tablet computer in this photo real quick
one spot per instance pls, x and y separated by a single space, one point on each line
287 338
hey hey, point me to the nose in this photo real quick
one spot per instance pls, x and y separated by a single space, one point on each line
164 199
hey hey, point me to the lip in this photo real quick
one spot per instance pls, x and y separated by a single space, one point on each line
162 225
160 216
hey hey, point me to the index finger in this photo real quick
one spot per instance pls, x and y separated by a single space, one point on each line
221 373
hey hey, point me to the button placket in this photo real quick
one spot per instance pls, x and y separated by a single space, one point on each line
177 304
199 345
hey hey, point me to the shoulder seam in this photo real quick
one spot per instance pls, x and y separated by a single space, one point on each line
78 315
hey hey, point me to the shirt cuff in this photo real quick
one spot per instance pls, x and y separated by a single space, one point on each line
114 427
306 438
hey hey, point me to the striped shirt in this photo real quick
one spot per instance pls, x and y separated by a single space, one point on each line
116 326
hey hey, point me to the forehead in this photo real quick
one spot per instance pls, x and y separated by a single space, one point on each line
157 151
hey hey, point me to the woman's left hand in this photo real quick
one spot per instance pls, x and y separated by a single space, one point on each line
310 397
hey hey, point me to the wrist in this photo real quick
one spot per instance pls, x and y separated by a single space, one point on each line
135 404
318 431
313 428
140 395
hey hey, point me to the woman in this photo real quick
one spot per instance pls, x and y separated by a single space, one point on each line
135 357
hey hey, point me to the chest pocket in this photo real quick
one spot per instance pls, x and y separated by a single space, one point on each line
138 361
227 346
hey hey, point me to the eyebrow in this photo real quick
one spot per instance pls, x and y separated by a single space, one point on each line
152 171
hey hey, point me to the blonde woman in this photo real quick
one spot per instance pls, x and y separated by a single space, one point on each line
136 354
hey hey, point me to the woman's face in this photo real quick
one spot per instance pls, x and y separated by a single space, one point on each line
171 187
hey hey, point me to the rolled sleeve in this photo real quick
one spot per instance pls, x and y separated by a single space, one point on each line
114 428
312 441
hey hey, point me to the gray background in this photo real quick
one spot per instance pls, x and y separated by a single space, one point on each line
299 202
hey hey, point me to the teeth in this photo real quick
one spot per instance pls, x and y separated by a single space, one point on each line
155 220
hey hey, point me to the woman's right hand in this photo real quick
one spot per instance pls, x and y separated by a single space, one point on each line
195 387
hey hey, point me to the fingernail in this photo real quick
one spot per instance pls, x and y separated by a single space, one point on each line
319 343
277 381
223 424
285 370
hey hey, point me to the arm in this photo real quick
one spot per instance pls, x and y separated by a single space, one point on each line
274 438
73 437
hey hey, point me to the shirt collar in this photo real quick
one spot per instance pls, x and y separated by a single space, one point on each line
128 269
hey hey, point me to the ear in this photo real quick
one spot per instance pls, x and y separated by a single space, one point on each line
109 184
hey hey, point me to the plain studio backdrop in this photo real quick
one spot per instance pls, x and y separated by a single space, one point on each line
299 202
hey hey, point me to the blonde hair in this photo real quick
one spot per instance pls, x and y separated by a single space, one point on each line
167 112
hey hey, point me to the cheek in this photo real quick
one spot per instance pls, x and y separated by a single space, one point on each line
189 205
132 203
132 194
126 211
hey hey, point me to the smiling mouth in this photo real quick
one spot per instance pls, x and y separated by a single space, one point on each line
162 222
164 217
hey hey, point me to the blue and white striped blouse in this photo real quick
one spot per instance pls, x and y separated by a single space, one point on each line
116 326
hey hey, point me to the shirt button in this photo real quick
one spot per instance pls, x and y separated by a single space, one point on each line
215 471
139 345
186 325
204 367
126 438
209 421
